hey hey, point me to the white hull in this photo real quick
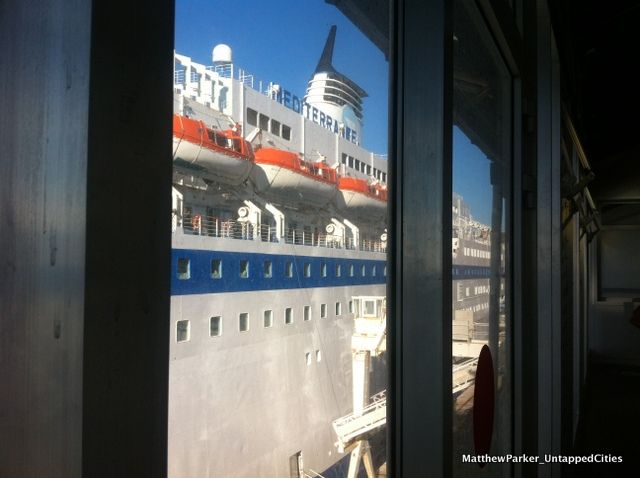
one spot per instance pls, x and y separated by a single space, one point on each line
243 403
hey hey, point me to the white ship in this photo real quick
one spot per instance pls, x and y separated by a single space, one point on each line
279 229
278 276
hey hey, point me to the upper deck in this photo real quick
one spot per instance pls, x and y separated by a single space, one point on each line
272 116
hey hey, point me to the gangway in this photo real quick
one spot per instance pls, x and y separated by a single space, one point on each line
368 340
352 426
369 412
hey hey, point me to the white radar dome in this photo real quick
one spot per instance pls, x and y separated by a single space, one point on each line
221 54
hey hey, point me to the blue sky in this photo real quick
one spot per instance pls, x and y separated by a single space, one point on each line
281 41
471 176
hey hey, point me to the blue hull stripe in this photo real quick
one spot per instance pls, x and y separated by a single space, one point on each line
200 279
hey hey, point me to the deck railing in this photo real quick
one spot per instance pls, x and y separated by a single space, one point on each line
243 230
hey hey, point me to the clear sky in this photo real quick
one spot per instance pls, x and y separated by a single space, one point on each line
471 176
281 41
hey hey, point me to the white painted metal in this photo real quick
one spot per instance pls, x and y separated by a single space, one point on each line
355 232
279 217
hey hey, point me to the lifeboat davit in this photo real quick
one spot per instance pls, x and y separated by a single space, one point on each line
360 196
223 155
286 177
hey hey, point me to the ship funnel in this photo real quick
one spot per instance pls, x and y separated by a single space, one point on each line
335 95
324 64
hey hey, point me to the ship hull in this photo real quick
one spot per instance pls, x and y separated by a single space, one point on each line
243 403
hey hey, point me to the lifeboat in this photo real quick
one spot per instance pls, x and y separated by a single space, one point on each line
361 196
286 177
223 155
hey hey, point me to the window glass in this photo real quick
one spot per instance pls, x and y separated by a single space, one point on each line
184 268
323 311
482 156
288 315
216 268
215 326
263 122
307 312
243 322
183 331
252 117
275 127
267 269
244 269
268 318
286 132
369 307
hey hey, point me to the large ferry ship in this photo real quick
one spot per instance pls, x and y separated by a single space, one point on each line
278 230
278 276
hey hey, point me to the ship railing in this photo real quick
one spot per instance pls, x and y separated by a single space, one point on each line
178 76
225 71
212 226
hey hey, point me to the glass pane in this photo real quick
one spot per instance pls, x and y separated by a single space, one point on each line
215 326
482 157
182 331
280 202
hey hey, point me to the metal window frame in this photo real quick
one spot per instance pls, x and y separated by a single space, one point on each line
419 422
419 401
549 225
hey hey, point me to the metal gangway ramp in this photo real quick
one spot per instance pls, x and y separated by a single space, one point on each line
352 426
369 412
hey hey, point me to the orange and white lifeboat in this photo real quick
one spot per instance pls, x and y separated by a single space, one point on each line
360 196
223 155
286 177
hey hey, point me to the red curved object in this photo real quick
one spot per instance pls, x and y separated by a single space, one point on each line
227 142
483 403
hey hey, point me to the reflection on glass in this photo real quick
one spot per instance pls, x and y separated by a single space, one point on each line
480 206
279 218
